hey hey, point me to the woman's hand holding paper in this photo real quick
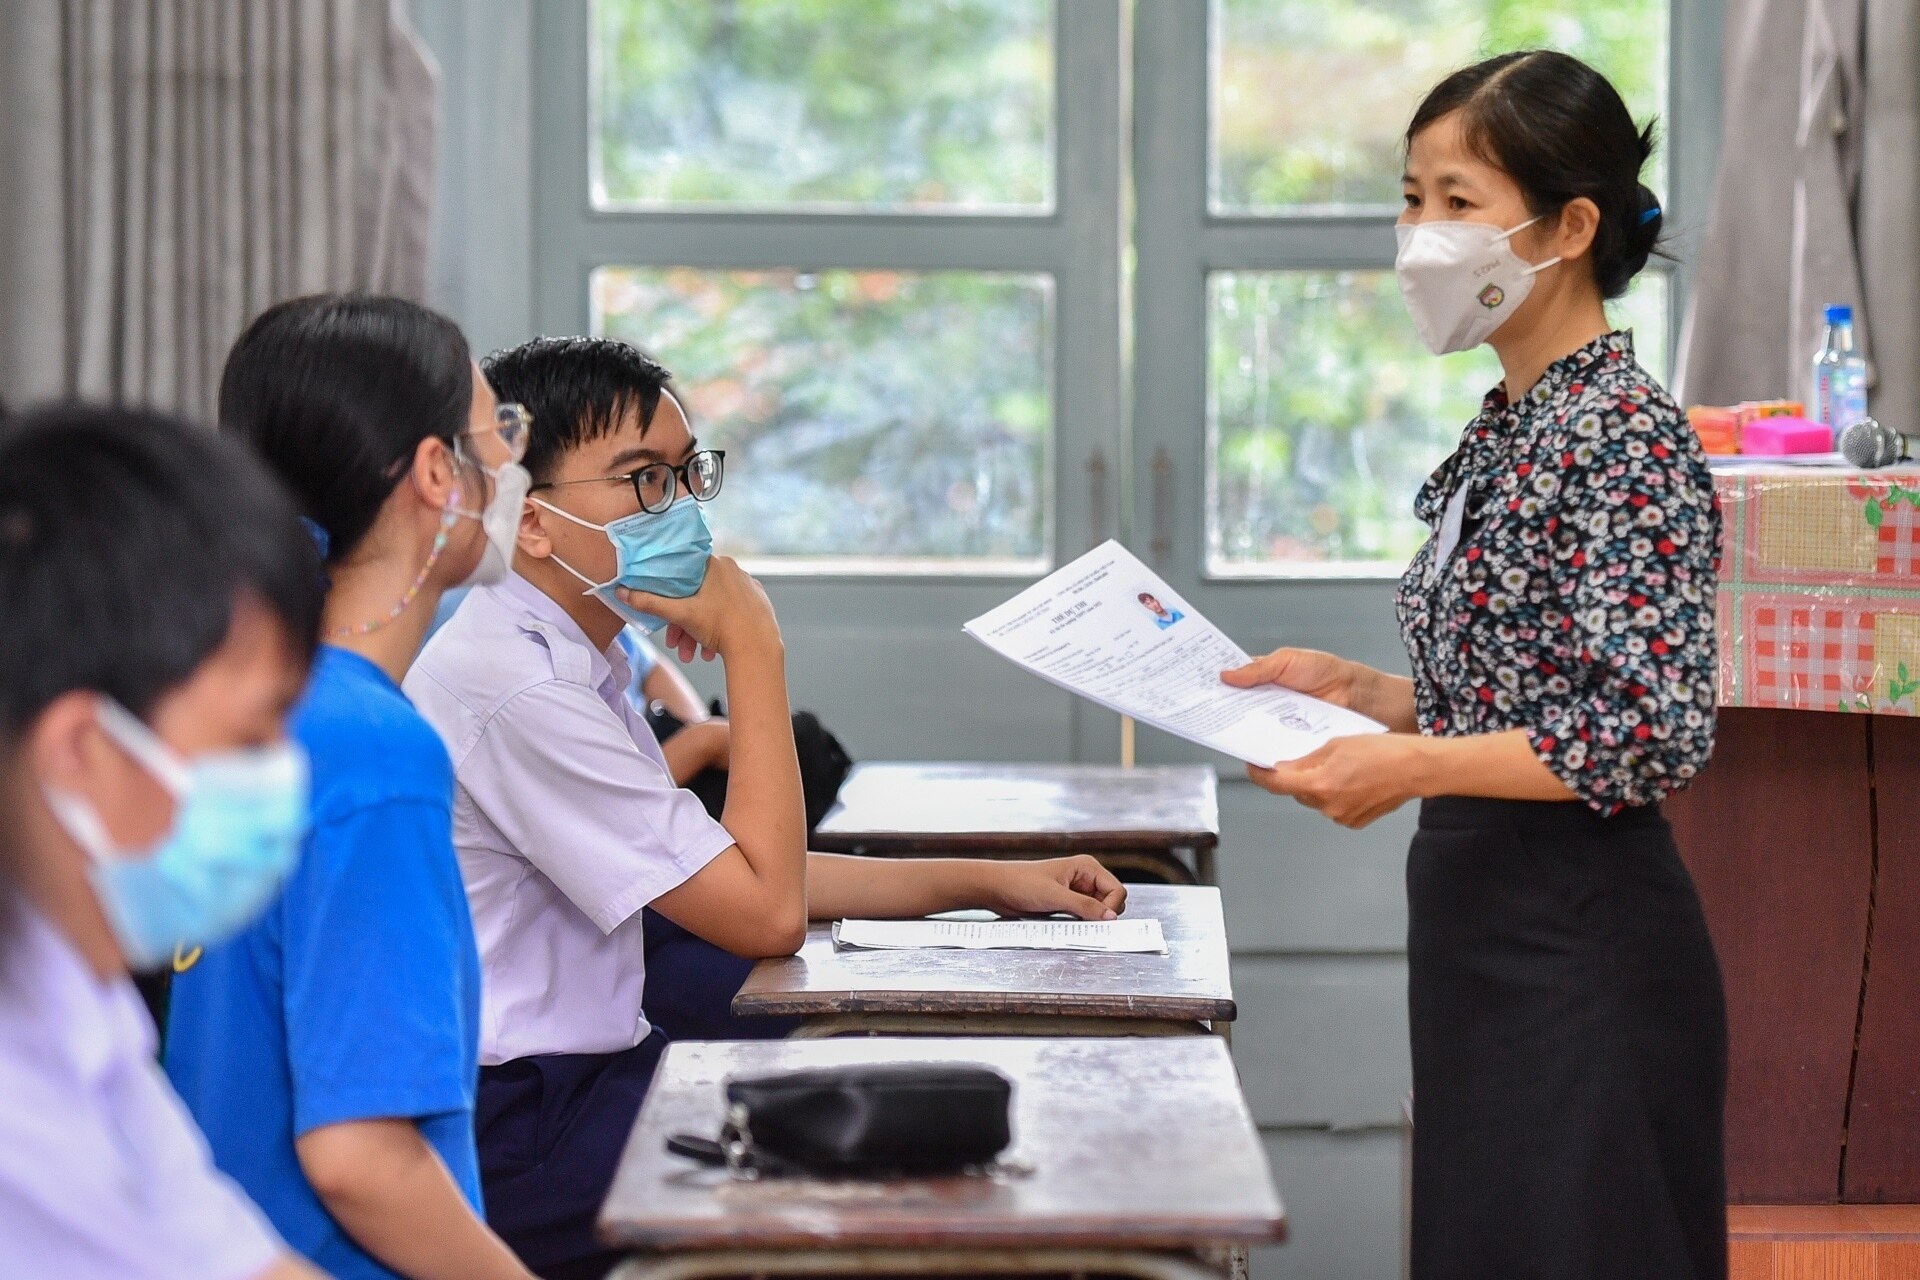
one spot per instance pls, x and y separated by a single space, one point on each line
1354 781
1355 686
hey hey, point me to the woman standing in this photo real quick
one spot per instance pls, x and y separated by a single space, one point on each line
1568 1024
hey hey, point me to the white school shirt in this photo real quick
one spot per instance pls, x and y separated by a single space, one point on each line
102 1172
566 819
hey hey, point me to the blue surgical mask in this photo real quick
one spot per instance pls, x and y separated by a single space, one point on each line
239 817
664 554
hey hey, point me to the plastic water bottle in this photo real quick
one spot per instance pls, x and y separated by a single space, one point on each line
1839 375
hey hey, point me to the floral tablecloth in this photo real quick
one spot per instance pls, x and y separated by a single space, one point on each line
1820 589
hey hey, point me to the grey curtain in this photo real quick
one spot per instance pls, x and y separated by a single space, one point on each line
1817 201
184 164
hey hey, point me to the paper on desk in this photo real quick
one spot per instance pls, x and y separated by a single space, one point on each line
1001 935
1087 629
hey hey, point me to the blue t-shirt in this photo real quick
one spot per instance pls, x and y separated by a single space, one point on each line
357 995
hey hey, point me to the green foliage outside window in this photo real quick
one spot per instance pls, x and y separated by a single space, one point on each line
1325 415
866 414
868 103
1311 97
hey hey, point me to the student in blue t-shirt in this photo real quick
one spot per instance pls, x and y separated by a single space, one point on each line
330 1051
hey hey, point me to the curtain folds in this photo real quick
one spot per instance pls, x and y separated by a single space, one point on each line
207 158
1817 201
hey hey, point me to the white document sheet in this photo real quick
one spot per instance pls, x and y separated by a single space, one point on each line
1117 936
1107 628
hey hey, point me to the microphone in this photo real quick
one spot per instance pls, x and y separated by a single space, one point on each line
1868 444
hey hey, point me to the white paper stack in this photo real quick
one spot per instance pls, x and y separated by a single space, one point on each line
1109 629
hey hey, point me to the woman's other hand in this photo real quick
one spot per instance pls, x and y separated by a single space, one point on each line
1356 780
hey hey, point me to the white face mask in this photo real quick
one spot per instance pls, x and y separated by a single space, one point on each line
1461 280
501 521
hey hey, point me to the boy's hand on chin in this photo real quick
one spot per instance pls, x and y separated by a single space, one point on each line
727 616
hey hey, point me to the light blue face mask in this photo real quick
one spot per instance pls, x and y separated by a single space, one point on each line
664 554
239 817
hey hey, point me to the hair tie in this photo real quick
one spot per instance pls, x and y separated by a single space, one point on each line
1649 215
318 534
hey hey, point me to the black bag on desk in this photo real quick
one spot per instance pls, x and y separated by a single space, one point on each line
911 1118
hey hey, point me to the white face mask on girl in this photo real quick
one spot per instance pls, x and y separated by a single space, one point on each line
1461 280
501 521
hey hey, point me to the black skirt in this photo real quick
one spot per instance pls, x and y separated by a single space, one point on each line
1569 1048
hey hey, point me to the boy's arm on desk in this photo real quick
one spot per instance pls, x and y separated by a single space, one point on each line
848 887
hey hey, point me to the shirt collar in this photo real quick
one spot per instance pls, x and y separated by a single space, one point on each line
574 656
89 1023
1565 371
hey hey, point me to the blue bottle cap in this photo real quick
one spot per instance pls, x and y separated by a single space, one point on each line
1839 315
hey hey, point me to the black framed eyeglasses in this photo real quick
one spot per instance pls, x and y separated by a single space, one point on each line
657 484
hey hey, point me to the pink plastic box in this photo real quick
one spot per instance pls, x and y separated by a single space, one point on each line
1772 437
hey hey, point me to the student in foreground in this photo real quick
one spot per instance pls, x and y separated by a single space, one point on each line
567 818
328 1051
161 605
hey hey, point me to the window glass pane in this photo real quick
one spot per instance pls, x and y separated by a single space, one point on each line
1310 97
861 104
872 419
1325 415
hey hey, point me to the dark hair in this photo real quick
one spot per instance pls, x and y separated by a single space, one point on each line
1559 129
577 390
126 539
336 392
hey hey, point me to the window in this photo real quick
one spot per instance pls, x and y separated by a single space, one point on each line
824 103
846 226
1324 412
1310 97
873 415
901 256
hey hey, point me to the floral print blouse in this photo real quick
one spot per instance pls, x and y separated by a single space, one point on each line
1578 602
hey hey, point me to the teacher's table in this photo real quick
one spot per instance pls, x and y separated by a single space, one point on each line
845 991
1130 1158
1803 834
1142 823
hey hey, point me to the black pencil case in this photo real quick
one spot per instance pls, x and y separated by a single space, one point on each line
865 1120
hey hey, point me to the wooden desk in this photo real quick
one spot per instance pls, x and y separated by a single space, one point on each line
1136 821
844 991
1142 1154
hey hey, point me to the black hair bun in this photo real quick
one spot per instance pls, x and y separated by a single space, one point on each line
1619 257
1648 219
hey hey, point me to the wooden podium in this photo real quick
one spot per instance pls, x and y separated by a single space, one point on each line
1803 836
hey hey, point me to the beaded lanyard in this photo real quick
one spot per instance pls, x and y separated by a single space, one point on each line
419 581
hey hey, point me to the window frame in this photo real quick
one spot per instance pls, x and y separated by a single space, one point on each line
1076 243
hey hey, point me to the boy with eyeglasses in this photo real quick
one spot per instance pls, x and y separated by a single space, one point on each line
567 819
